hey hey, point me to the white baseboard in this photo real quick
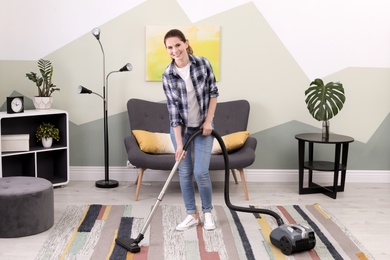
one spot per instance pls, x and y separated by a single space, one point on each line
252 175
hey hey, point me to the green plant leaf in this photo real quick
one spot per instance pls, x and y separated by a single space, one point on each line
46 130
324 101
43 82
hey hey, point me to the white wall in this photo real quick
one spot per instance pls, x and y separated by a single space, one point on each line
357 31
270 51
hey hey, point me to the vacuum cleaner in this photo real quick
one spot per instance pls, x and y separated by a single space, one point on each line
289 238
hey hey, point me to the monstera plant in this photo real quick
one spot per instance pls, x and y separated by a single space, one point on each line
324 101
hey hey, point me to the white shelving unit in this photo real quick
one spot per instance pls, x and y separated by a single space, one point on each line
49 163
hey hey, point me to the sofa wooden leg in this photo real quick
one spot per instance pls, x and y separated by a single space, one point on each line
244 183
139 182
234 175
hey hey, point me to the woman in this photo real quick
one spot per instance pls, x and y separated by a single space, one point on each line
191 92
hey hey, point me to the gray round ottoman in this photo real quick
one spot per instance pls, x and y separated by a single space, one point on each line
26 206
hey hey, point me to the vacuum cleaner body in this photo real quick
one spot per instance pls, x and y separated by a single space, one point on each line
293 238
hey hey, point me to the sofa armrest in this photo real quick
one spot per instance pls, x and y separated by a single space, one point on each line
251 143
132 149
238 159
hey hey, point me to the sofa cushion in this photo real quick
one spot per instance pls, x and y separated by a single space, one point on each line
151 142
232 142
157 143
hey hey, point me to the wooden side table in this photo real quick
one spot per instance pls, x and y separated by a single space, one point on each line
341 143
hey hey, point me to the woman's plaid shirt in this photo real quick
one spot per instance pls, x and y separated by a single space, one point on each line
204 82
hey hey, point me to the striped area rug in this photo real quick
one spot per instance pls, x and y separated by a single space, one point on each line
89 232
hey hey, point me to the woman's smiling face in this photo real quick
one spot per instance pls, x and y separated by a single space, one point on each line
176 48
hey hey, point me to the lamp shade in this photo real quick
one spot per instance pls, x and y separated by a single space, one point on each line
96 33
127 67
82 90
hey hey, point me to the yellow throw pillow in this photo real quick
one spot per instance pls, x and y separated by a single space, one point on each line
232 142
150 142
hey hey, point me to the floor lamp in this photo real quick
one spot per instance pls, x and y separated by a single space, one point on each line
106 183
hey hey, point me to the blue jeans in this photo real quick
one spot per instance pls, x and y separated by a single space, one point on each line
201 147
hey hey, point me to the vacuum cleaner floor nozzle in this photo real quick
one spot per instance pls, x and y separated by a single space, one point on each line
129 244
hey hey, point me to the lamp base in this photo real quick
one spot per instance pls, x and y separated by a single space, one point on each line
107 184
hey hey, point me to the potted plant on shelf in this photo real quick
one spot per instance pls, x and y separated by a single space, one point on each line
44 84
46 132
324 102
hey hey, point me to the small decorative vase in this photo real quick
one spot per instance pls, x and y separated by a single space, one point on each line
325 129
43 103
47 142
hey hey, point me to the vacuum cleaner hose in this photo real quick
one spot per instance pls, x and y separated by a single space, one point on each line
279 220
288 238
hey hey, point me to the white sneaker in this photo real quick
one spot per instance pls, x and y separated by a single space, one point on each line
208 221
188 222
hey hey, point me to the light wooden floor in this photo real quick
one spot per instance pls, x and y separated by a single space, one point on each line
364 209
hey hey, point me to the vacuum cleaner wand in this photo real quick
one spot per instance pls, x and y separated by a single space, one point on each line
131 244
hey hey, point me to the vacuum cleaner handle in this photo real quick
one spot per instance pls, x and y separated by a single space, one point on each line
279 220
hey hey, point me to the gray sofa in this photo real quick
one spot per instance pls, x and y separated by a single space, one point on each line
230 117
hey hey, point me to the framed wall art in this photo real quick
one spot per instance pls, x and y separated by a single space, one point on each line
204 40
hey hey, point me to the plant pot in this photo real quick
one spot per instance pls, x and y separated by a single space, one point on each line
47 142
43 103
